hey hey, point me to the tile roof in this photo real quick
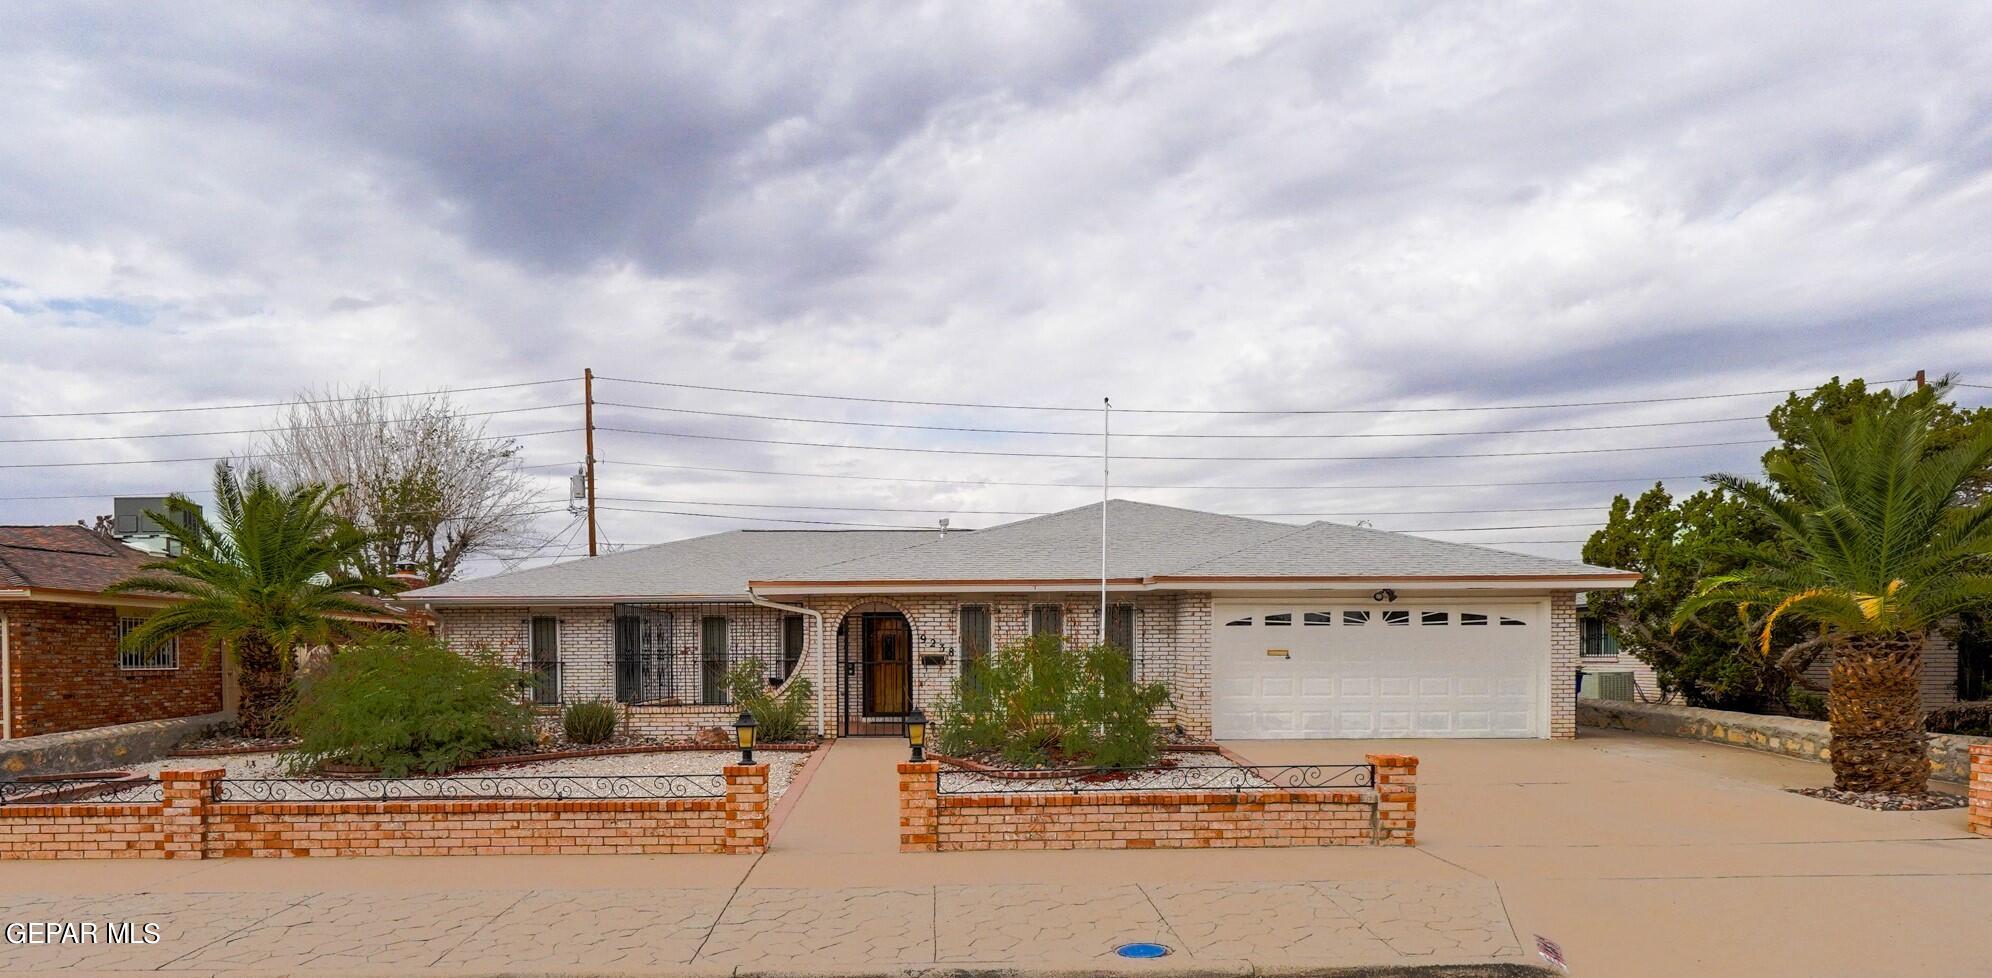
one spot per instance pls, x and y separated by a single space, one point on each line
1147 542
64 558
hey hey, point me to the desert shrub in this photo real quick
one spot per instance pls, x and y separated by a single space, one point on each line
402 703
779 715
1968 719
592 722
1035 703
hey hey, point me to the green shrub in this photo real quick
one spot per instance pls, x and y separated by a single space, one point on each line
777 716
1973 719
1807 704
593 722
401 703
1035 703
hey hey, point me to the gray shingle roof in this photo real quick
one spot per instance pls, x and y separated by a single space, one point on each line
1325 549
1144 539
1147 541
710 566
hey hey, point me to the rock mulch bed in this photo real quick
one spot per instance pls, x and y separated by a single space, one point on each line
1176 771
782 767
1885 801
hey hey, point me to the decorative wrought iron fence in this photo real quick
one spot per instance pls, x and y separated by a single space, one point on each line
1211 777
110 790
550 787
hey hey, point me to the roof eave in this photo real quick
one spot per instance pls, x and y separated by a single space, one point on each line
513 600
1505 582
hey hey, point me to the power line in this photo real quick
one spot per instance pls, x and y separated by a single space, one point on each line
1294 411
271 404
1182 458
760 519
243 455
1448 529
1643 480
307 427
1132 434
1042 512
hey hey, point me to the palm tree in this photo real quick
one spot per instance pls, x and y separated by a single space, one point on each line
1881 538
270 577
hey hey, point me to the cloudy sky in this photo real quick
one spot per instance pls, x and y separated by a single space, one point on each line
1186 207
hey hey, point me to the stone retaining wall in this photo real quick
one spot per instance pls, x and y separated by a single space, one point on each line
103 747
1950 754
1149 819
190 824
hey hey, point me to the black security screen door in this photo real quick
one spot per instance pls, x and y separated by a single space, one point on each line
874 675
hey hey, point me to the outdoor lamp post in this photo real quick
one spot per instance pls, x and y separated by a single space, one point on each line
744 727
916 734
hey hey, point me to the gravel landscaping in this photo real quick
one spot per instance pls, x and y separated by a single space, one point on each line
1884 801
1191 771
782 768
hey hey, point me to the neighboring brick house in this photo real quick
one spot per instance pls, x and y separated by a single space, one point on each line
1259 629
1953 670
60 665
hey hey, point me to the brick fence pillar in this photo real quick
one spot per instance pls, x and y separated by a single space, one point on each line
1981 789
1396 799
746 808
919 807
185 796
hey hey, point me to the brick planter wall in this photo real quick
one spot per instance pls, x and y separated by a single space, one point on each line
1981 789
190 824
930 822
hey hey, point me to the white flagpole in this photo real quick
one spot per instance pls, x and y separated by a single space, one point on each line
1106 450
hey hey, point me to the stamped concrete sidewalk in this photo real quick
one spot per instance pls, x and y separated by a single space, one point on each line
1641 856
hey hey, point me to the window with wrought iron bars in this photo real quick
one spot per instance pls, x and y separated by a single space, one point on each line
544 668
672 654
161 656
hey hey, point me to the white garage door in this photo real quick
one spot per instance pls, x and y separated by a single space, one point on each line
1409 669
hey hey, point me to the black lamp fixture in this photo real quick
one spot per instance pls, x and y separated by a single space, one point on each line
916 734
744 728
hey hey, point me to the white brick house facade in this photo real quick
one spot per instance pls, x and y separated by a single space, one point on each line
1467 641
1173 646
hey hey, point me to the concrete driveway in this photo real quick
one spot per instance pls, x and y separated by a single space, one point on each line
1648 856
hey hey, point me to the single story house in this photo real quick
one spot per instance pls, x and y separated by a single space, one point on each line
60 665
1259 629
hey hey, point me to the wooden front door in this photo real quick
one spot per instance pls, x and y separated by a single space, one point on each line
888 666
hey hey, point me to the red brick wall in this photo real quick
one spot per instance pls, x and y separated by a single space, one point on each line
1981 789
189 824
65 676
1156 819
80 832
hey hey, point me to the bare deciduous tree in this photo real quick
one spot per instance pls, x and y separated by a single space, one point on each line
426 484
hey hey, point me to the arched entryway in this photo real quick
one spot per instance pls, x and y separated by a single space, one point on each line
874 671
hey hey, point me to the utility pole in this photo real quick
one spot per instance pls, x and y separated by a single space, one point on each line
1106 454
588 422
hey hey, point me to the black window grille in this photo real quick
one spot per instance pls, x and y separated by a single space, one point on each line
712 659
1047 619
645 657
1120 632
792 632
1596 639
543 670
975 637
